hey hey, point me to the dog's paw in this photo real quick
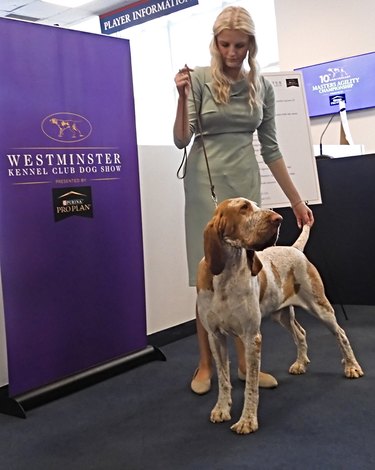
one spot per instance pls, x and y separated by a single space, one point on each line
297 368
220 414
245 426
353 371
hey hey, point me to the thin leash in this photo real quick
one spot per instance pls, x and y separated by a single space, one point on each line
200 130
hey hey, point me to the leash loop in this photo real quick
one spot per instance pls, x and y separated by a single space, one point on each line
182 166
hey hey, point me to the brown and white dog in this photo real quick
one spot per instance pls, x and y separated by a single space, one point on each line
237 286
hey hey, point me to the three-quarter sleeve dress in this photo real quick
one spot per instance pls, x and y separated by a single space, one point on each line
228 135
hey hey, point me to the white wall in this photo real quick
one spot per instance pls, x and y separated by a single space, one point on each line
310 32
169 300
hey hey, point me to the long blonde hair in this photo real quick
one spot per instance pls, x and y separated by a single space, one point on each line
239 19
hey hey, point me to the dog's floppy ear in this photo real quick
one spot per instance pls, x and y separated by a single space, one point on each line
214 252
254 263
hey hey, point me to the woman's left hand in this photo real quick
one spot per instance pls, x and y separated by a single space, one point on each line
303 213
182 81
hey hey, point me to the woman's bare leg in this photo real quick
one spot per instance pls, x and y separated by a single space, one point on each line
201 382
265 380
205 356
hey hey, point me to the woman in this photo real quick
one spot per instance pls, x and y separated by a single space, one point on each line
232 103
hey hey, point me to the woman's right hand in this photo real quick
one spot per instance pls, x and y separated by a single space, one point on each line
182 81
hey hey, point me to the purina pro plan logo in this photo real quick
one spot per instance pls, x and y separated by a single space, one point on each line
72 201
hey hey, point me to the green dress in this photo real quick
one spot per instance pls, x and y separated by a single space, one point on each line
228 135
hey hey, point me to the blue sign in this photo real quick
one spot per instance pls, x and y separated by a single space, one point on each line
140 12
350 79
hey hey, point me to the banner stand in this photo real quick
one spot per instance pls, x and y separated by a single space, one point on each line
18 405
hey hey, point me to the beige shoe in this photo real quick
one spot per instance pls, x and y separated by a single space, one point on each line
265 380
200 387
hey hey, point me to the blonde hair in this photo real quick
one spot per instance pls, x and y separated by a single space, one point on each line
236 18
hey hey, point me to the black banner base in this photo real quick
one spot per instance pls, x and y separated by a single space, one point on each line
18 405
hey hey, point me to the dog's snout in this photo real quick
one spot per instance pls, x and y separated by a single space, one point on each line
276 219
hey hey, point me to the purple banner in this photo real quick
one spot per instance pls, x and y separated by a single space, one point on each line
70 221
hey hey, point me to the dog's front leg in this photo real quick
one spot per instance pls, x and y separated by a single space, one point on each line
221 411
249 419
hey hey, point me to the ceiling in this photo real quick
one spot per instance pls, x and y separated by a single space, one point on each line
38 11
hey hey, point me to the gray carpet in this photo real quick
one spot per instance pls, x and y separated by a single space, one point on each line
147 418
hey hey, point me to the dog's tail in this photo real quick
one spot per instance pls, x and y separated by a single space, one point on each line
301 241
